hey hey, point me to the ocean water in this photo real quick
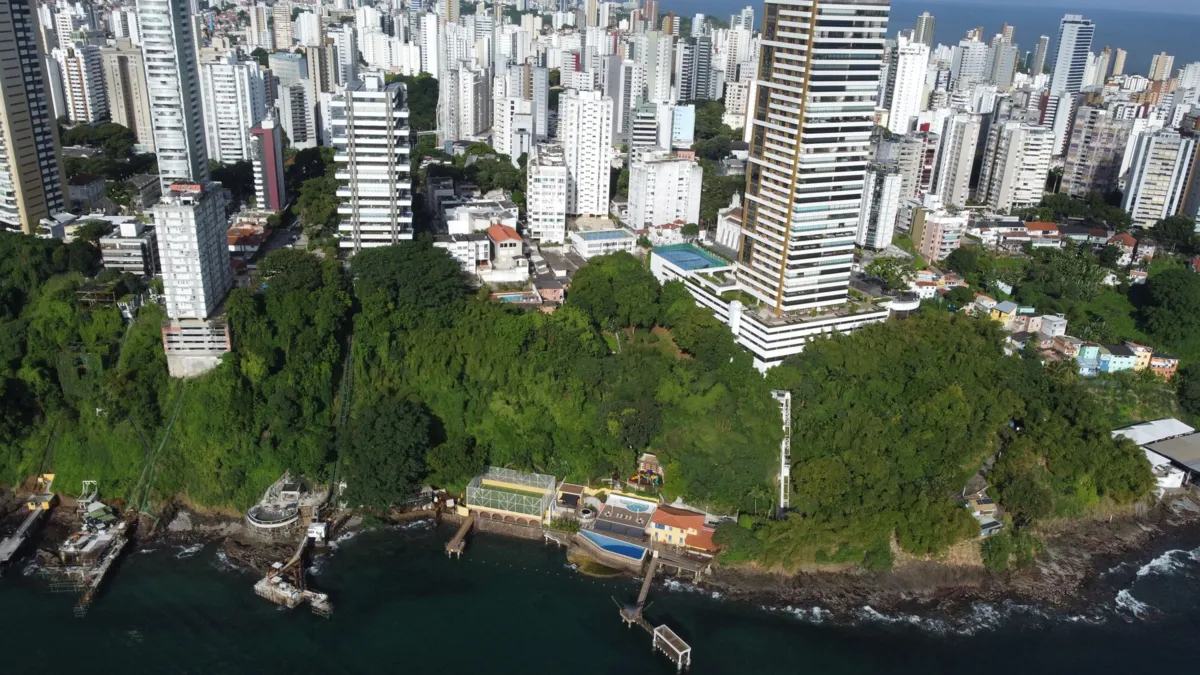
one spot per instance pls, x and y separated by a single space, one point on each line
512 606
1142 32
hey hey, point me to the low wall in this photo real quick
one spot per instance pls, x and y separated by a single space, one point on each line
508 529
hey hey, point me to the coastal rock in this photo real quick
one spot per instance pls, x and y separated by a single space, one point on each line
182 522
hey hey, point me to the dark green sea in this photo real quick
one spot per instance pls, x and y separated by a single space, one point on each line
511 606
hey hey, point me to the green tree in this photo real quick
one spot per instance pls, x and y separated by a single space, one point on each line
456 461
893 272
385 455
1177 231
416 282
1187 387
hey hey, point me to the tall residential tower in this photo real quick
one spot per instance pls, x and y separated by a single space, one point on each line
32 185
809 150
169 52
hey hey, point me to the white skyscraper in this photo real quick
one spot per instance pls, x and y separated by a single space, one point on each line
802 207
663 189
169 51
235 99
655 54
84 93
956 156
123 22
1067 76
1158 176
371 135
585 130
190 223
345 57
880 206
308 29
969 64
259 33
910 60
546 193
1015 166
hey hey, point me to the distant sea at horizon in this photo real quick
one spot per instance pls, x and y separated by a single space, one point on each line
1142 34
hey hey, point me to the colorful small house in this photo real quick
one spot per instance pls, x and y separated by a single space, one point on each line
680 527
1164 365
1142 355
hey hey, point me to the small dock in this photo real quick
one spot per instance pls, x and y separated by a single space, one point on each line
284 585
663 639
456 545
38 504
95 577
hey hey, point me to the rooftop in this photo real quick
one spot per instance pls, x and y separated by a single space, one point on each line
605 235
1151 432
690 257
499 233
1183 450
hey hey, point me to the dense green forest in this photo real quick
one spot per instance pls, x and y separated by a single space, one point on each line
394 372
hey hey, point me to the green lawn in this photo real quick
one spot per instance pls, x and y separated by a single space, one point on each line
905 242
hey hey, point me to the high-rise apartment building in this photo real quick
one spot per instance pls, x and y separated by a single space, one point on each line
169 51
235 99
880 206
969 65
1093 161
84 93
193 251
298 113
281 16
906 84
1016 163
32 185
693 69
802 206
654 51
546 193
924 33
1162 67
259 33
743 19
1067 77
1119 62
122 22
266 152
585 131
192 248
125 86
1158 176
308 31
663 189
956 156
372 137
1039 56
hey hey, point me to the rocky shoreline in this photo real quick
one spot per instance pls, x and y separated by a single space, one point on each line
1068 577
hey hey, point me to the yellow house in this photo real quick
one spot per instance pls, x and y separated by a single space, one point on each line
1141 355
682 528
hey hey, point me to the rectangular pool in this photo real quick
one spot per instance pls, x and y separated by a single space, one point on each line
615 546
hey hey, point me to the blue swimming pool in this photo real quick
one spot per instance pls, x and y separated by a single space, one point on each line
615 546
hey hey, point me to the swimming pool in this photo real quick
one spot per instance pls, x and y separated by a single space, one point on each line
512 297
615 546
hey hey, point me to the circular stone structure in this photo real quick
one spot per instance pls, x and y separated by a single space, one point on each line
273 516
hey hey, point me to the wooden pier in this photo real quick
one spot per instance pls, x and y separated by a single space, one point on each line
663 639
456 545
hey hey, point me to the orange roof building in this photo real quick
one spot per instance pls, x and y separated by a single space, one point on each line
680 527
